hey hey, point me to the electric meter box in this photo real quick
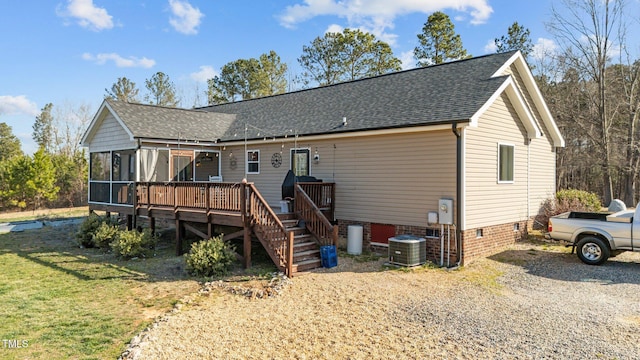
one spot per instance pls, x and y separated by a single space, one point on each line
445 211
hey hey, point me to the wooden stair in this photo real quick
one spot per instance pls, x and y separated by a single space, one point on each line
306 251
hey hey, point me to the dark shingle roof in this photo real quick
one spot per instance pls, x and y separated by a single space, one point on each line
432 95
157 122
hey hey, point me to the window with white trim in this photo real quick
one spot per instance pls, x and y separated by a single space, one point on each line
506 163
253 162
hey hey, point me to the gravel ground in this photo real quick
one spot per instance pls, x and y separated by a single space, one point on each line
528 302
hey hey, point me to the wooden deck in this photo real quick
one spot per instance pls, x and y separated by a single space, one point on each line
239 205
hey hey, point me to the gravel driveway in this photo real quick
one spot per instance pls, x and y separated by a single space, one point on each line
528 302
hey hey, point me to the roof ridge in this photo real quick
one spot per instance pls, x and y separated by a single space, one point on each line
112 100
211 107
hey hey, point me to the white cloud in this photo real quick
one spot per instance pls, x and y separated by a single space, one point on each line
16 105
544 48
88 15
206 72
408 61
131 61
185 18
490 47
378 16
334 28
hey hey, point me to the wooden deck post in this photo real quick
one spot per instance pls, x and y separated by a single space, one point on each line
152 225
210 229
179 234
246 225
290 254
129 222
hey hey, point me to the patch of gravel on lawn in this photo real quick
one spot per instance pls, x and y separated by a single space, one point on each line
525 303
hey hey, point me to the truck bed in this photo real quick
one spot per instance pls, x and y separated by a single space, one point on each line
602 216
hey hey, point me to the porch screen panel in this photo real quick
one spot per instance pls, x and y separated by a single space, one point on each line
124 165
99 192
182 168
100 166
208 166
154 165
100 177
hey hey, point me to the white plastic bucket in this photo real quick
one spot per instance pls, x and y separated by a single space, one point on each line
354 239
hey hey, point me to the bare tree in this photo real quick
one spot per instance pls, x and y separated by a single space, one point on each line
586 29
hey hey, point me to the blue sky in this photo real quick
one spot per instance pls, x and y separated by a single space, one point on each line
67 52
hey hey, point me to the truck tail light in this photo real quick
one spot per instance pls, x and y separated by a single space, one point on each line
550 226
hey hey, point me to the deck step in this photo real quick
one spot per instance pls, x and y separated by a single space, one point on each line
307 265
305 255
289 223
304 246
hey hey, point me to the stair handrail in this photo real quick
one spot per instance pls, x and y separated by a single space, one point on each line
279 242
315 221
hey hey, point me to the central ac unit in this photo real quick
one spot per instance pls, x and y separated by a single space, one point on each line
407 250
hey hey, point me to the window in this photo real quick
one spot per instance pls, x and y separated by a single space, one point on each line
300 162
253 162
479 233
516 227
433 233
505 163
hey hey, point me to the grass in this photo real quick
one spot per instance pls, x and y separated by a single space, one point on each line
48 214
72 303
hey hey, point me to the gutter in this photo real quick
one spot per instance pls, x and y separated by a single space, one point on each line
456 132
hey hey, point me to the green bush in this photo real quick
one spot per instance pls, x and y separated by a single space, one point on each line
212 257
132 243
88 228
566 200
104 235
586 201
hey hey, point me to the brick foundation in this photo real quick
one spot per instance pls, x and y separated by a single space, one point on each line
493 240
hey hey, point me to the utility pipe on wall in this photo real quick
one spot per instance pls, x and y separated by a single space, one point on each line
458 207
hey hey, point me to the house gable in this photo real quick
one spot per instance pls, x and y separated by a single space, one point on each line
107 131
517 67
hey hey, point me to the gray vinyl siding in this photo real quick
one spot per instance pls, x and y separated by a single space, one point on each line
389 179
543 156
110 136
487 201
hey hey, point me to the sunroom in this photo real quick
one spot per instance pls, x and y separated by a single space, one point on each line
113 173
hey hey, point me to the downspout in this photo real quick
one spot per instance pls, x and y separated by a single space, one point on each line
456 132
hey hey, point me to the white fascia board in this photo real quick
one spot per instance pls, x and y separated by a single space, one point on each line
353 134
93 124
534 91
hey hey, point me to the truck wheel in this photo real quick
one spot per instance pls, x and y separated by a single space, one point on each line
593 250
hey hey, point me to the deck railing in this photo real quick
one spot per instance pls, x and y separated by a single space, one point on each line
322 194
307 209
277 240
197 195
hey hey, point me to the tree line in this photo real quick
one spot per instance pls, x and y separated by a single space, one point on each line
591 85
56 174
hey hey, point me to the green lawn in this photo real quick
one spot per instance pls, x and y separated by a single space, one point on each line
73 303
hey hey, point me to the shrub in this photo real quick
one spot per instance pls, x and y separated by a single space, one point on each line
566 200
132 243
104 235
211 257
88 228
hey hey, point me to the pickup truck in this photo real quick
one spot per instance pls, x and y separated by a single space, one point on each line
597 236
